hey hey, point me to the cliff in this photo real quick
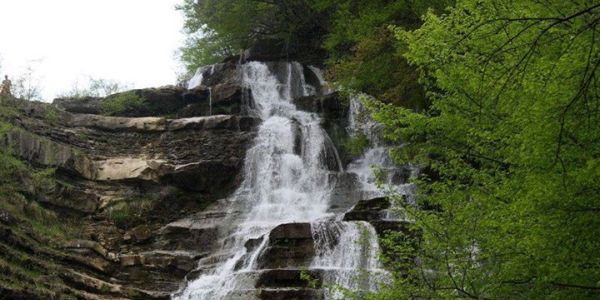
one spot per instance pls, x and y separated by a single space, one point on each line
132 198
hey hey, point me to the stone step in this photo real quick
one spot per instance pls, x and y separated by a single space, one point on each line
276 294
290 246
289 278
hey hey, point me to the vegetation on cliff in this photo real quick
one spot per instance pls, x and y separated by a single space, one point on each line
498 103
29 233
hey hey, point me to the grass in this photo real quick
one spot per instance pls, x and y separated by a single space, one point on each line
51 114
130 212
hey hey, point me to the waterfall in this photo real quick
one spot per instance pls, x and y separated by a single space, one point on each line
280 185
286 180
376 157
196 79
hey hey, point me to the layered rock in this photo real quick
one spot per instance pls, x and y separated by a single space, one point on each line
376 211
146 185
290 245
127 182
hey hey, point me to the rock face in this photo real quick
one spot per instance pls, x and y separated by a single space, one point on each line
220 94
131 183
147 186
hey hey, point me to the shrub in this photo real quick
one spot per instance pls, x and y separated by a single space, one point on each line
355 146
122 102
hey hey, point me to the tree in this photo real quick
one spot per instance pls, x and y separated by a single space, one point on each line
26 86
95 87
364 54
510 150
217 29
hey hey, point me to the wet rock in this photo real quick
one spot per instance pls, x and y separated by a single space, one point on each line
222 99
192 177
374 211
346 192
368 210
158 259
252 244
286 294
222 73
330 106
213 122
292 278
290 245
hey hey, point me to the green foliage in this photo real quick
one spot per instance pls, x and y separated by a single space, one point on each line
510 152
27 85
218 29
52 114
130 212
365 56
123 102
311 281
357 145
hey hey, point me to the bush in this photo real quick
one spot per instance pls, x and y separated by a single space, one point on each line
122 102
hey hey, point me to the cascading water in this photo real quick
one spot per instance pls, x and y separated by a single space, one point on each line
286 181
348 254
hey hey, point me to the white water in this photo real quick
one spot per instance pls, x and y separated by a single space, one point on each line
196 79
286 183
280 186
325 88
348 253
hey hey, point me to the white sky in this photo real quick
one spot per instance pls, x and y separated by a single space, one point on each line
132 41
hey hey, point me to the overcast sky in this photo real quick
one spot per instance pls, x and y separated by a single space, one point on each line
132 41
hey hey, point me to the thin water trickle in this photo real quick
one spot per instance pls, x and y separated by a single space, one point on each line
210 101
